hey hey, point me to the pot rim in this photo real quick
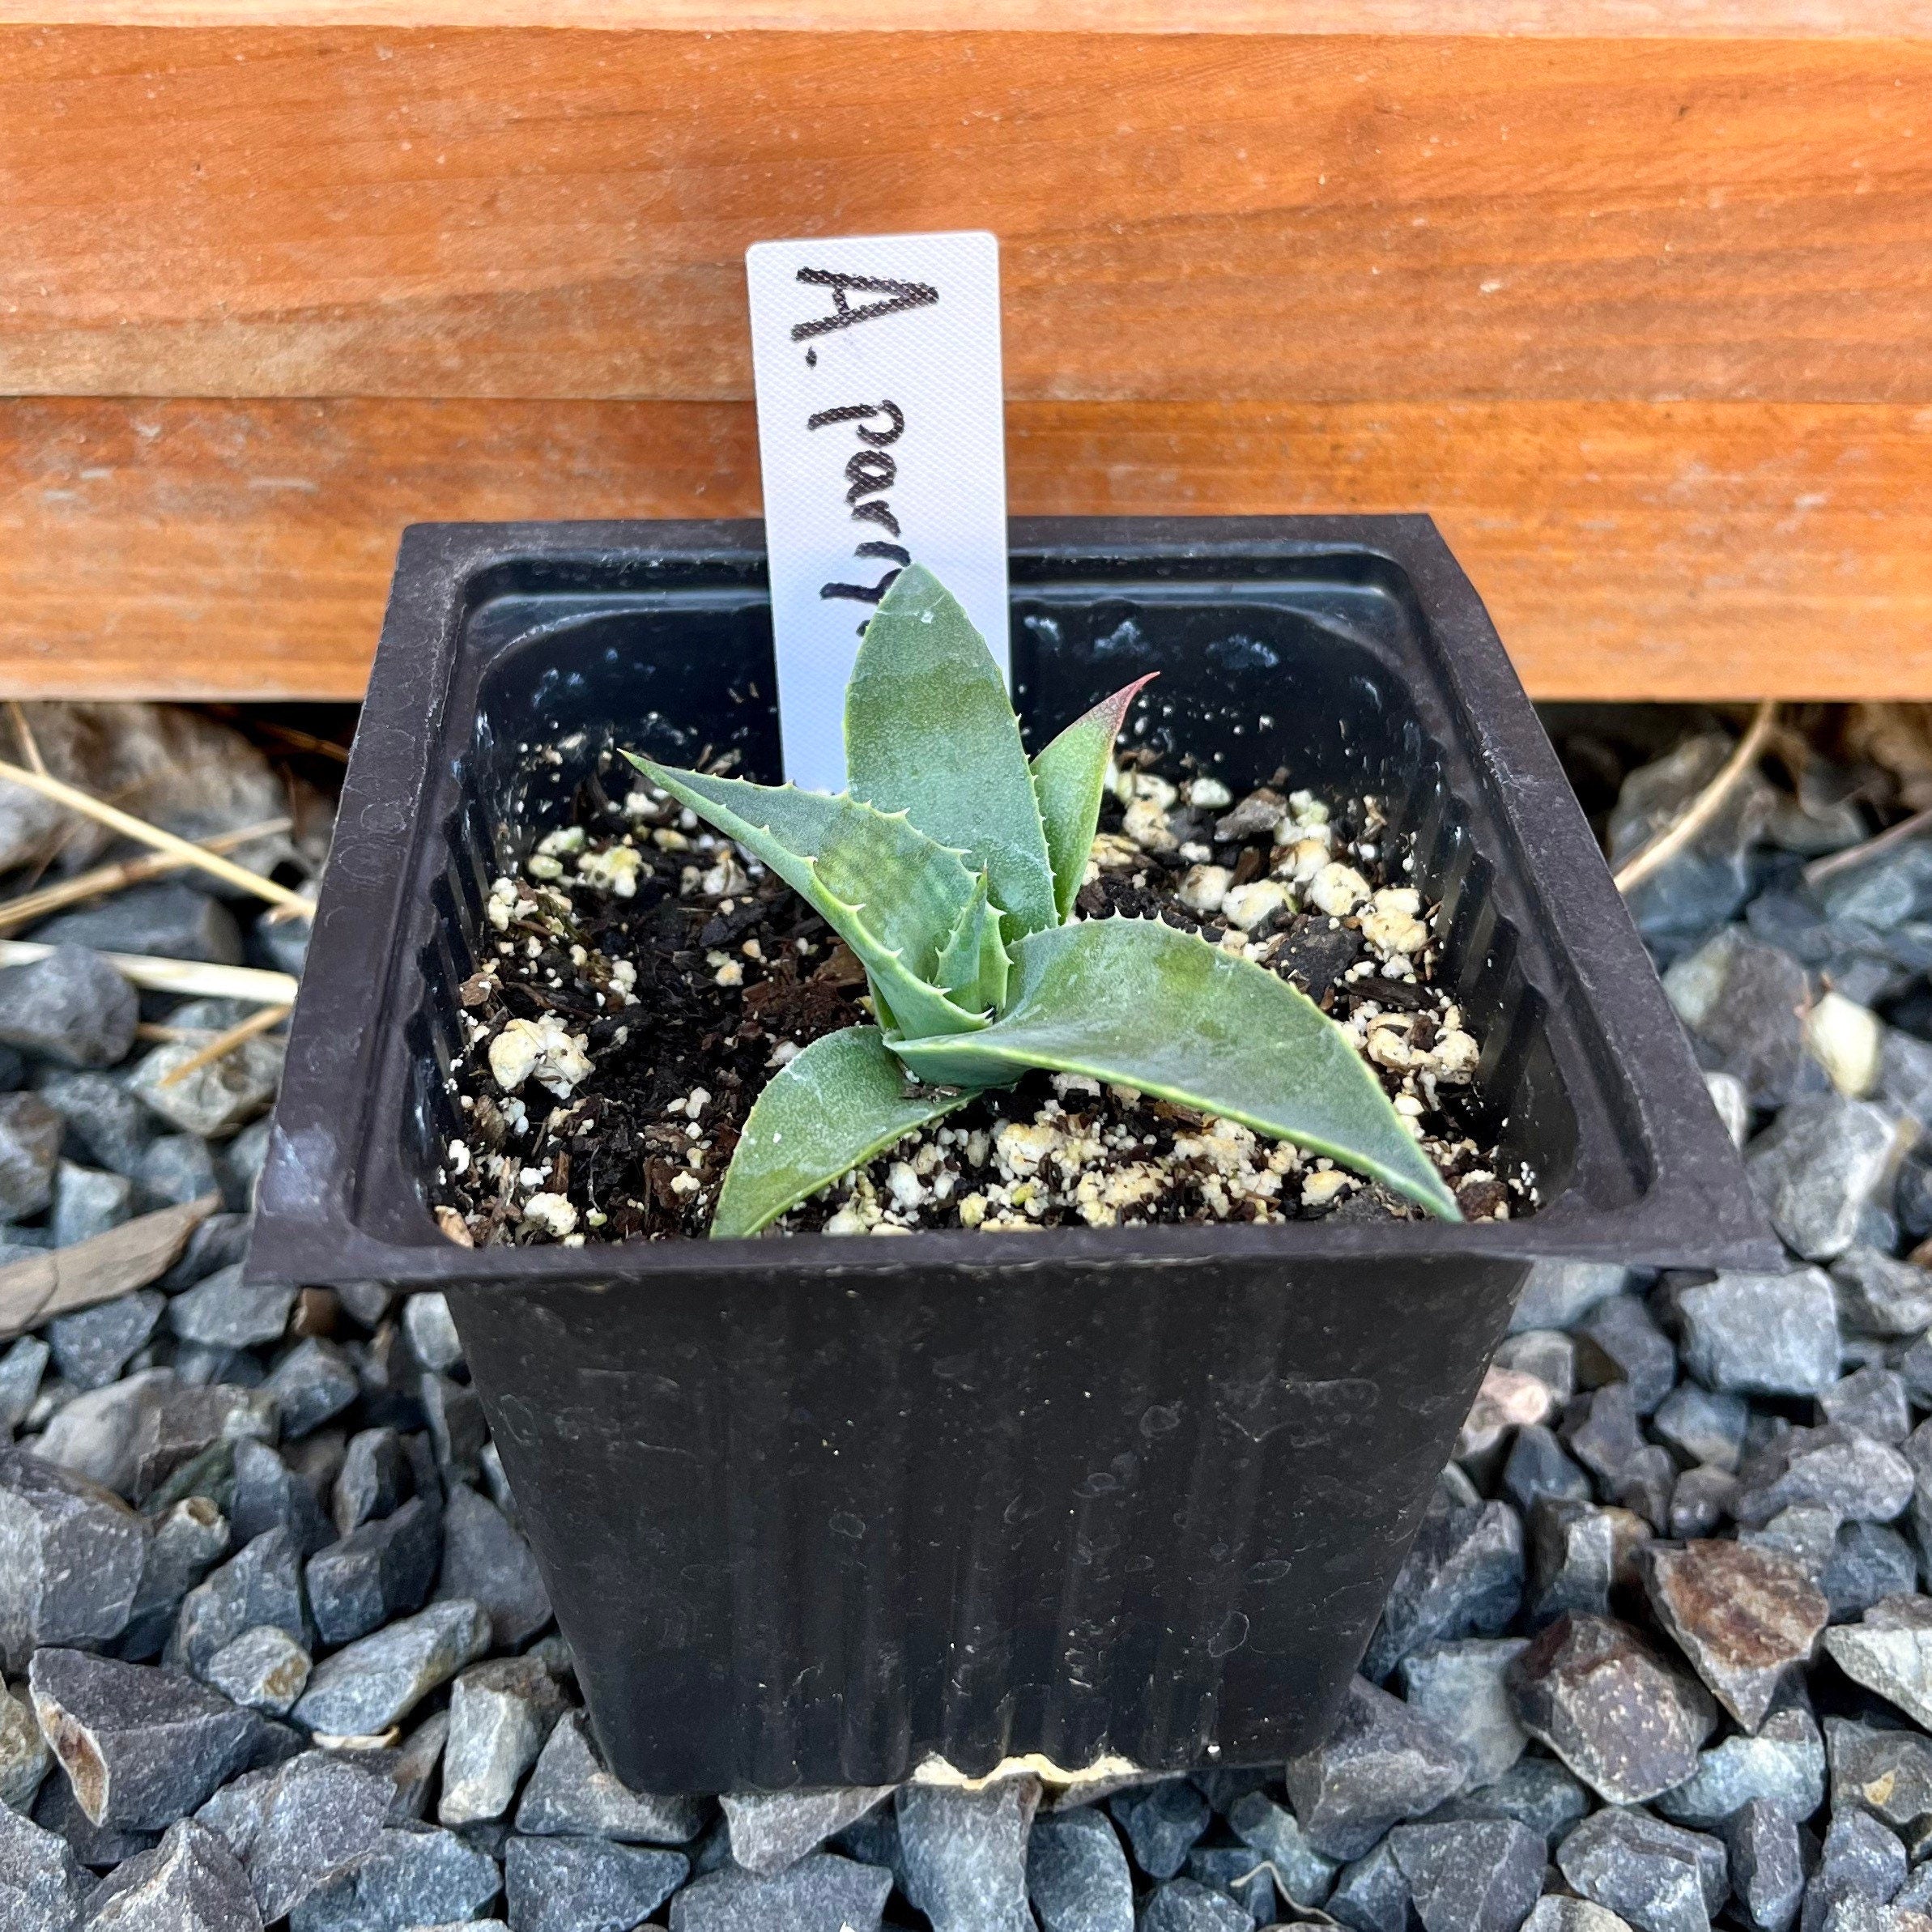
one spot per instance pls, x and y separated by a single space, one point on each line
1691 1205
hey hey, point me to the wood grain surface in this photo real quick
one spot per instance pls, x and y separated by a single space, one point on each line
522 212
242 549
1644 318
1757 19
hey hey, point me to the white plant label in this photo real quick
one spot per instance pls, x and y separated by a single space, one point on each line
881 435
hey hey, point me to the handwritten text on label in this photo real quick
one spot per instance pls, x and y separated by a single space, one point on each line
881 439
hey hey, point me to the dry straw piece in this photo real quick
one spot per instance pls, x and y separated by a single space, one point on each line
17 712
253 983
1704 807
138 829
1852 857
225 1043
101 880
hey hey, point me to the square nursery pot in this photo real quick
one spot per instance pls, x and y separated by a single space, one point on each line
813 1510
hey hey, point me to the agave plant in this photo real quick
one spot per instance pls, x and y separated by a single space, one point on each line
949 868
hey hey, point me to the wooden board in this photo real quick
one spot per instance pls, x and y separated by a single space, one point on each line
242 549
1749 19
520 213
1644 320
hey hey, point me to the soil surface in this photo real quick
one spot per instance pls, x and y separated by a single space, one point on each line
642 981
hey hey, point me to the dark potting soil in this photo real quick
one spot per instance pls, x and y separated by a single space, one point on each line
643 980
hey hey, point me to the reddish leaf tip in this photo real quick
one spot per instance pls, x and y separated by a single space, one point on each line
1115 708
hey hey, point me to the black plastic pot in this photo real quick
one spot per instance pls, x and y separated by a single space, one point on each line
811 1510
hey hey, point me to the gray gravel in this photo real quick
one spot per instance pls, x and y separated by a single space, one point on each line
375 1681
140 1746
771 1831
571 1793
41 1885
30 1147
1077 1873
71 1009
295 1826
964 1854
72 1554
500 1714
1659 1661
190 1882
821 1893
167 918
265 1669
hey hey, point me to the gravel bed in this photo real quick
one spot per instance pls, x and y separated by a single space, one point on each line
275 1651
646 979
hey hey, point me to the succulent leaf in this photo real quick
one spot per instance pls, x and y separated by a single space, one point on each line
843 1099
930 731
893 894
1140 1003
948 875
1069 777
973 964
901 997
